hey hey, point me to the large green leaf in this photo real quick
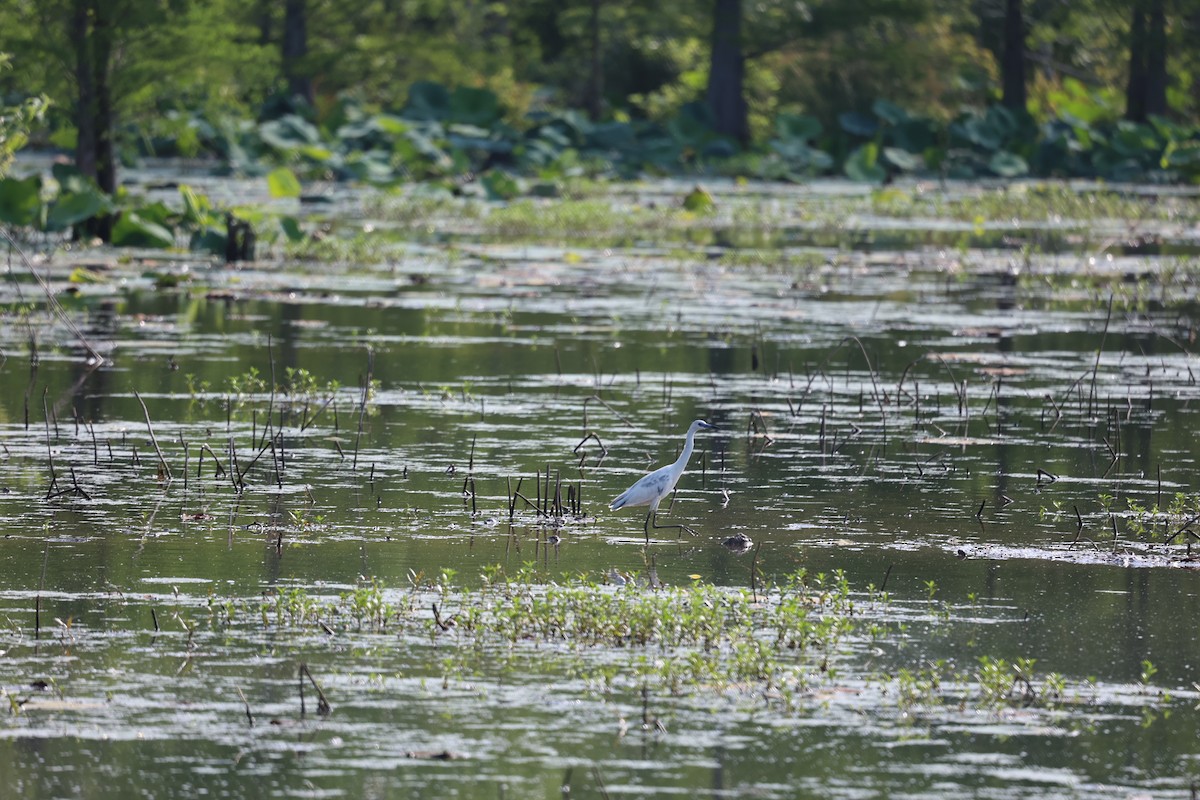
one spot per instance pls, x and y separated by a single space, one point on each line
428 101
981 132
863 165
374 166
131 230
798 126
393 126
157 212
914 135
20 200
291 229
904 160
889 112
1002 121
209 240
858 124
1185 155
475 106
76 207
289 133
282 182
605 136
1008 165
70 179
197 208
801 156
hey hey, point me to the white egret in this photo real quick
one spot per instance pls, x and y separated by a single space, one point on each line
651 489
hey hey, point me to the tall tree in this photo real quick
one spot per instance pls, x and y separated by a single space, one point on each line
727 71
295 49
1012 66
1146 89
91 38
595 96
1156 59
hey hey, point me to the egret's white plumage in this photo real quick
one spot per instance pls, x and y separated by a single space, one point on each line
651 489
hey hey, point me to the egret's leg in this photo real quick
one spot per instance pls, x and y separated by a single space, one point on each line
654 524
649 514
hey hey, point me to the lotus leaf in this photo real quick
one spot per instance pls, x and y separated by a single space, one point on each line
858 124
282 182
475 106
1008 165
904 160
427 101
798 126
20 200
133 230
863 165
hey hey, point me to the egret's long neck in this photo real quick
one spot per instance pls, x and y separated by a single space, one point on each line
687 448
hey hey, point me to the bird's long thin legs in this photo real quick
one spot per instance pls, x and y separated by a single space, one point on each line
652 522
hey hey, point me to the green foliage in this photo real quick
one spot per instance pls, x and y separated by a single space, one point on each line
20 200
493 105
17 118
282 182
1154 524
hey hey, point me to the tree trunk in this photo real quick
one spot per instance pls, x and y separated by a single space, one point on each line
1156 60
1191 33
85 102
595 99
106 162
1135 89
1013 64
725 96
91 38
262 13
295 48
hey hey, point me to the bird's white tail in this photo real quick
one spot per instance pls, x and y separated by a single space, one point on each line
620 500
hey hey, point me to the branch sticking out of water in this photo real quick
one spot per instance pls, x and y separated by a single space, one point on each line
163 466
323 707
249 715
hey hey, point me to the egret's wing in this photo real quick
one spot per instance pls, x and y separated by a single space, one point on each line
647 489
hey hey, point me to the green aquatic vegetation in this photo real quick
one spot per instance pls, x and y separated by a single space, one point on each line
358 247
302 385
246 383
415 212
581 219
995 684
1037 202
366 606
1155 524
677 639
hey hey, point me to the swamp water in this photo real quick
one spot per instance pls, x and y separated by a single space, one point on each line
375 559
